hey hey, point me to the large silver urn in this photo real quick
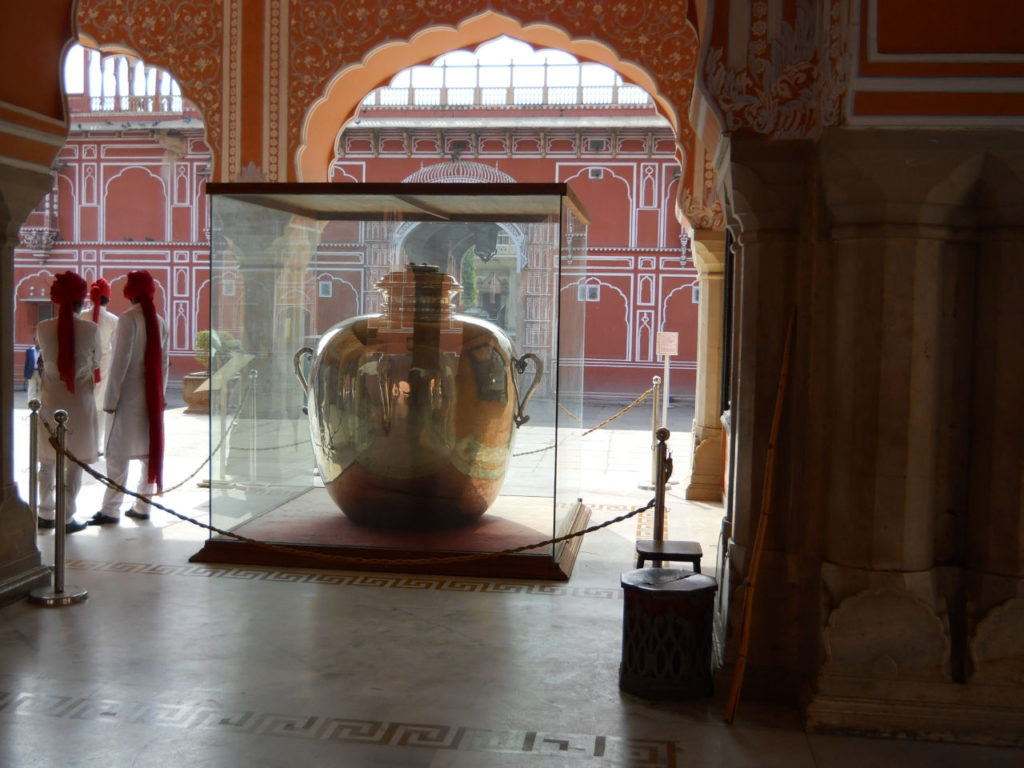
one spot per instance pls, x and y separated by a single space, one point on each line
412 412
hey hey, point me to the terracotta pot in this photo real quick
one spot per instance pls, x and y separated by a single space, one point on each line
197 401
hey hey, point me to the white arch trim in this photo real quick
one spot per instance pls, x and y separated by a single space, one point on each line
625 302
663 309
163 185
343 92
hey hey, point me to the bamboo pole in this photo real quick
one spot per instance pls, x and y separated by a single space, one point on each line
746 615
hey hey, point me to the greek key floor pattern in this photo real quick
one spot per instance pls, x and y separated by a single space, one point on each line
351 579
332 728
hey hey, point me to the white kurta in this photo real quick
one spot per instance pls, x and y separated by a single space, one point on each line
82 439
107 321
128 425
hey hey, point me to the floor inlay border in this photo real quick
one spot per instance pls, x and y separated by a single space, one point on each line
613 750
352 579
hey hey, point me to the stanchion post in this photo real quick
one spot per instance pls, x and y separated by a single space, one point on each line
668 389
661 454
655 395
224 399
59 594
60 533
33 457
253 375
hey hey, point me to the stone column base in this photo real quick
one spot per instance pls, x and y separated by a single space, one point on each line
21 570
934 711
21 578
706 477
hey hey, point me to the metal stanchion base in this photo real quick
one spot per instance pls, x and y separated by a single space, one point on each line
653 487
48 596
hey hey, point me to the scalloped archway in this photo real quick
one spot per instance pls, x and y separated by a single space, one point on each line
343 93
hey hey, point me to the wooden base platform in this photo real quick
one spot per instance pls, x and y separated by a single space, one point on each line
310 532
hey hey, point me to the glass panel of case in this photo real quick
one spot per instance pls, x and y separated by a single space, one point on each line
397 366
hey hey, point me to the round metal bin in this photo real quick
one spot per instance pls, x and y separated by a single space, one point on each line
666 633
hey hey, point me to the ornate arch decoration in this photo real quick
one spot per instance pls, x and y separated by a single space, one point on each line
328 114
193 62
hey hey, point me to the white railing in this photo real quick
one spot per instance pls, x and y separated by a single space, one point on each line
489 85
120 83
133 103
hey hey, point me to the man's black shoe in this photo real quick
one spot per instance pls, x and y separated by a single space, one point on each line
73 527
101 519
133 513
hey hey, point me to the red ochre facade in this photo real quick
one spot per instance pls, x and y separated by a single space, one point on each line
134 198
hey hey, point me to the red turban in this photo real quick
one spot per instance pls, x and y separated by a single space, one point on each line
140 285
98 290
67 289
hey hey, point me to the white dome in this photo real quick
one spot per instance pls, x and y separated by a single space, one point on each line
464 171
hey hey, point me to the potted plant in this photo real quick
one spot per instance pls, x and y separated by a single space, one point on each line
201 349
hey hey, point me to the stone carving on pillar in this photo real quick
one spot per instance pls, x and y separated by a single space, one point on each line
701 205
793 83
997 653
885 634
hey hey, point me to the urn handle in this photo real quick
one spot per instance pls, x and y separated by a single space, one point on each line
519 364
297 363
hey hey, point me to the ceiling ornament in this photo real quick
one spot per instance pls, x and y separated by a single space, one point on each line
795 77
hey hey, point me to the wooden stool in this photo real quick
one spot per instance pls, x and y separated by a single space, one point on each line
669 551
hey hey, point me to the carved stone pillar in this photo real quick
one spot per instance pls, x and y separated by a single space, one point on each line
20 568
706 471
767 194
890 596
897 298
921 563
994 546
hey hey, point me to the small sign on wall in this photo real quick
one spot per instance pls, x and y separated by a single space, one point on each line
668 343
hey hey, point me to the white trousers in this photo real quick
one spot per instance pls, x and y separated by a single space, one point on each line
117 470
47 489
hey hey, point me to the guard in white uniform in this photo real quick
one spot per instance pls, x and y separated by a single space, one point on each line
134 400
99 295
70 348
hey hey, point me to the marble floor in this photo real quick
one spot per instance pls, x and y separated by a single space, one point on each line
169 663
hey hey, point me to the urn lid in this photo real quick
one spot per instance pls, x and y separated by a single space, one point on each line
419 289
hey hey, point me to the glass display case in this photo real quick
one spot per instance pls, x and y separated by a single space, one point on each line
397 376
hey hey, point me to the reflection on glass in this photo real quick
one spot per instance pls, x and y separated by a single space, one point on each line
384 342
